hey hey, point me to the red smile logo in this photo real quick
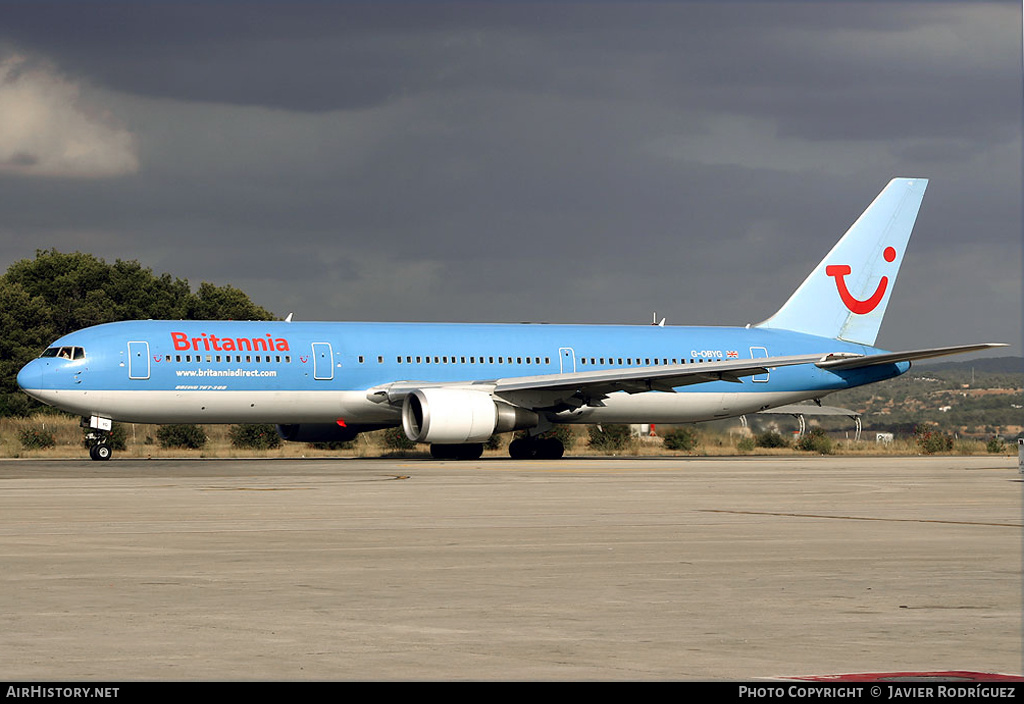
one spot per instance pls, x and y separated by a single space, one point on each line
839 271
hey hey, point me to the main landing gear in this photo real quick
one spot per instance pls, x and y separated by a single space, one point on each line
520 449
536 449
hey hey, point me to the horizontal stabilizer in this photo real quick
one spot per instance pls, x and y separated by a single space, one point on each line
833 362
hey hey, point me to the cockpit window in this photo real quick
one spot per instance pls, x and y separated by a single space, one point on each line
73 353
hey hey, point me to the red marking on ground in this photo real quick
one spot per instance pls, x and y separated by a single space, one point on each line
945 676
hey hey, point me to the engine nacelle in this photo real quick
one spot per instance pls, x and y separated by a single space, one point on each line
322 432
456 416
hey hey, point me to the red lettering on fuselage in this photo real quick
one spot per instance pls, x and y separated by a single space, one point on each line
183 343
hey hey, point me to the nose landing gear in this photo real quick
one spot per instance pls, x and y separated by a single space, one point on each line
99 437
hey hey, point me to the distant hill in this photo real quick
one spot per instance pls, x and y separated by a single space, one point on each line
991 365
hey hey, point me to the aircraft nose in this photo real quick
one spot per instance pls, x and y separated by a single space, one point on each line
30 376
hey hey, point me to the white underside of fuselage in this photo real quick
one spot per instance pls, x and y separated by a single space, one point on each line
284 407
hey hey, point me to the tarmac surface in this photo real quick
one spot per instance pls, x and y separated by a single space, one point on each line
578 569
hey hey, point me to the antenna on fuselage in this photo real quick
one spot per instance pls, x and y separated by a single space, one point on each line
288 318
654 320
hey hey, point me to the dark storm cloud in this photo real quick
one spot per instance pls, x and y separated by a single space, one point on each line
511 161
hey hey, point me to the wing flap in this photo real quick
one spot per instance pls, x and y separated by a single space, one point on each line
588 388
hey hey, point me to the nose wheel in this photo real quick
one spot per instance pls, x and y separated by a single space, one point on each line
100 451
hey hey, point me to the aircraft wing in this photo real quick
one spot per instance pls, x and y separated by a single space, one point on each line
576 389
846 361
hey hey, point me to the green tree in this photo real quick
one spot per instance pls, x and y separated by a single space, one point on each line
25 330
223 303
57 293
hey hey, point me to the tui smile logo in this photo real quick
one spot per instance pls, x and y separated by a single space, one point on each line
839 271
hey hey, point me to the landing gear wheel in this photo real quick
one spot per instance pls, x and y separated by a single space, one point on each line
522 449
550 449
536 448
100 452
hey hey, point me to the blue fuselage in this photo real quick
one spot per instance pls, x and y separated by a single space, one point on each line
216 371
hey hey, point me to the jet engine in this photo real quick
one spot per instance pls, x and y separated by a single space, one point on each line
455 416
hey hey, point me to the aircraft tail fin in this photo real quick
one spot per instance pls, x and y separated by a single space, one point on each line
846 295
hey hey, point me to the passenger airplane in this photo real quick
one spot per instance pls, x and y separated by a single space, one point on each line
455 385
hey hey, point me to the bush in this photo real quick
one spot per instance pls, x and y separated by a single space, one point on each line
395 439
186 436
36 439
562 433
609 438
681 439
745 444
932 441
995 446
815 440
770 438
333 445
256 436
117 439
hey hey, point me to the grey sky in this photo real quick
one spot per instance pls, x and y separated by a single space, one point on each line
486 161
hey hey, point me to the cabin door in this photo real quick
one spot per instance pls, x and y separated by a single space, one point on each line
323 361
757 353
567 359
138 359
